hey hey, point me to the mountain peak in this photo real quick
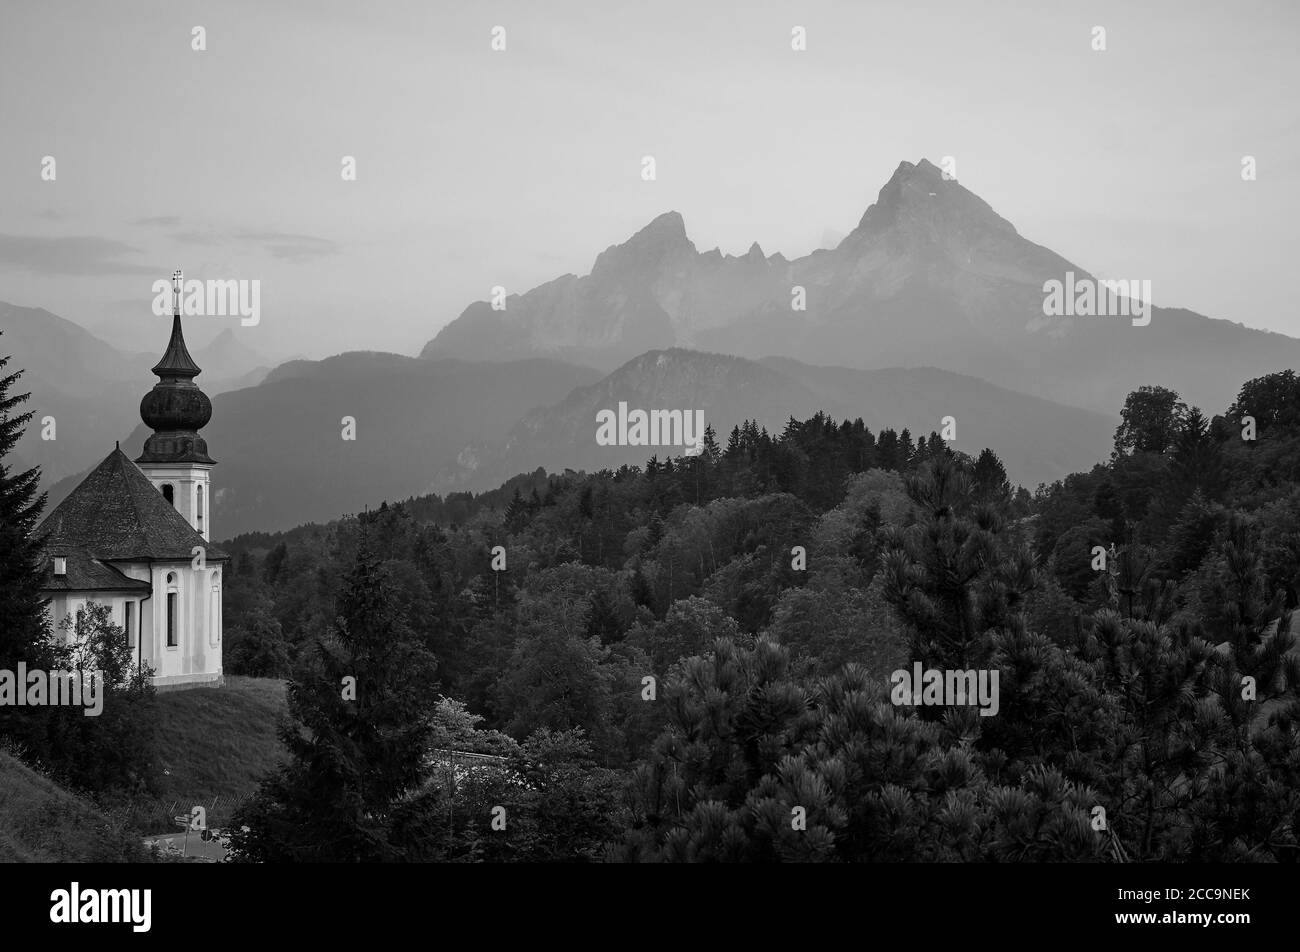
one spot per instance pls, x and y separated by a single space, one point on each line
663 237
669 220
668 227
918 200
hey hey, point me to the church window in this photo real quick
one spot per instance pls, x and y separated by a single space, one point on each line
128 622
173 598
199 505
168 493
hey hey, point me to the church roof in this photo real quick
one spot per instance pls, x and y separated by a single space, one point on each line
117 515
87 574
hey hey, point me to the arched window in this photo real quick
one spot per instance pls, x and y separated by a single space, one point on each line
198 506
173 611
168 493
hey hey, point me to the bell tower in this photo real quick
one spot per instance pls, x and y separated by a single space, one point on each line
175 457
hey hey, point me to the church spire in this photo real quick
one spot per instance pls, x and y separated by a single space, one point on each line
176 409
176 361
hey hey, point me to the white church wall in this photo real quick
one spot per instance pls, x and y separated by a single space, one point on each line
191 659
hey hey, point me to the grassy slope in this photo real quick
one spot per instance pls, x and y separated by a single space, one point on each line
40 822
215 744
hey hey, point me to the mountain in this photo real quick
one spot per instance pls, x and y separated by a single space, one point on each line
230 363
1038 440
279 446
931 276
92 389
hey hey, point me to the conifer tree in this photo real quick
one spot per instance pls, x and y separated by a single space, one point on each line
711 454
360 721
938 572
24 630
516 516
990 479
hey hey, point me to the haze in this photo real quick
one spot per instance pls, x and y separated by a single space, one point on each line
479 168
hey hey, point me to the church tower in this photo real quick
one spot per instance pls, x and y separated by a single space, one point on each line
175 457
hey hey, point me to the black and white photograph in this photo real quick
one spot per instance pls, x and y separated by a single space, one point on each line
491 439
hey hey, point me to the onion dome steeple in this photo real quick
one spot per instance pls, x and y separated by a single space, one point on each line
176 409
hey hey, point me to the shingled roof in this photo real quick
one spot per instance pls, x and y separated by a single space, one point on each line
116 514
85 573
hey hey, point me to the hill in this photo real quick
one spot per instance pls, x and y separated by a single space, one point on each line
40 822
216 744
1038 440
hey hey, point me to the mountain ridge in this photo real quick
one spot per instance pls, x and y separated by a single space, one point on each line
931 275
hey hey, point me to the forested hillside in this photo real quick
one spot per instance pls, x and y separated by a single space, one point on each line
692 659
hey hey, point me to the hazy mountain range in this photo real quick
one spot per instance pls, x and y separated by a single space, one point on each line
281 456
932 306
427 426
1037 439
932 276
92 389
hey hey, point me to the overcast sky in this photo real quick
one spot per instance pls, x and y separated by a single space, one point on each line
477 168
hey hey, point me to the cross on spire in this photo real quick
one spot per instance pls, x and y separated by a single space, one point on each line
178 281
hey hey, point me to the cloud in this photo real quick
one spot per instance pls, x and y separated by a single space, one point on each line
161 221
292 247
77 254
196 238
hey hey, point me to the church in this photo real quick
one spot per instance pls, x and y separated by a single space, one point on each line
135 535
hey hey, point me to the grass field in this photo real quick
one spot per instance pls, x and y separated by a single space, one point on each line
215 744
40 822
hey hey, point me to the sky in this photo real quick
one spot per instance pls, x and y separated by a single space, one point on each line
477 168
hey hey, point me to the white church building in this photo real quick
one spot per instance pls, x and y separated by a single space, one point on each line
135 535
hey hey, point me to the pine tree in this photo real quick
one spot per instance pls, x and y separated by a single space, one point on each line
711 454
24 630
990 479
360 708
733 443
906 451
887 452
943 574
1197 460
516 516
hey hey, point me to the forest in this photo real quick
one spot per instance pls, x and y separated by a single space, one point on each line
691 660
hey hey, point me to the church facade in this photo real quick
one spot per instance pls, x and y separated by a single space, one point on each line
135 535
